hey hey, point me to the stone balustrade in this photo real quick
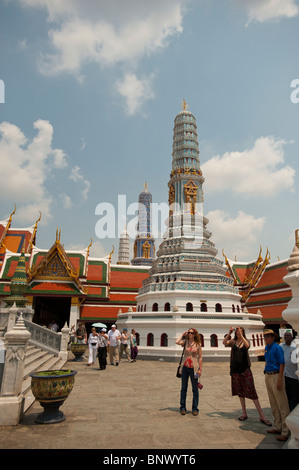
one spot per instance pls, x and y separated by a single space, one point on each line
16 333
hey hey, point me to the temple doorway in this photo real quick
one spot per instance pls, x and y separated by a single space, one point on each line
47 309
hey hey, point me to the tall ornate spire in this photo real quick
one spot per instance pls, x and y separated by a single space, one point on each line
144 245
187 284
186 258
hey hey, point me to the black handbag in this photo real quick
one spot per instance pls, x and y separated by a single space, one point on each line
178 374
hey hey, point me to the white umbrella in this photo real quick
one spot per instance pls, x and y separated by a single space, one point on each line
99 325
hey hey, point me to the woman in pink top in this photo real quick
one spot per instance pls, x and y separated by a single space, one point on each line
191 367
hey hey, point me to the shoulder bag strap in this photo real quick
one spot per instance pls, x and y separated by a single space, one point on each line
182 353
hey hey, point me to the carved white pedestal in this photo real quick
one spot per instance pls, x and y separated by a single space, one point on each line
11 398
291 315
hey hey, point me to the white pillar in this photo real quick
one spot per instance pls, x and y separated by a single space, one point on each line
11 399
65 334
291 315
74 314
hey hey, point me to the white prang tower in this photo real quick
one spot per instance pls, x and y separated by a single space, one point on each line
124 248
187 285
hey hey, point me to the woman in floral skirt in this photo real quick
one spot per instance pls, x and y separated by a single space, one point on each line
241 376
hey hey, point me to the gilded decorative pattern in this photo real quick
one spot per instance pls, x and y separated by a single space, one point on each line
55 268
49 389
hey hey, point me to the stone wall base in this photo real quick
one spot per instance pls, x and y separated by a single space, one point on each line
11 410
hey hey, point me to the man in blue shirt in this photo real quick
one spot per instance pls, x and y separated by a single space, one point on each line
274 378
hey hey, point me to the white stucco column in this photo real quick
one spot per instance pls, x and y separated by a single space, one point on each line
74 313
11 397
291 315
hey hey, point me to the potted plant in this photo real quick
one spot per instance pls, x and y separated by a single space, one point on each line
78 350
51 388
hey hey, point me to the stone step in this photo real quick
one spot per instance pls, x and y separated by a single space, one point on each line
35 356
37 360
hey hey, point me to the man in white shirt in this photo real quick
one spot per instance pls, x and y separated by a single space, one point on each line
113 342
291 367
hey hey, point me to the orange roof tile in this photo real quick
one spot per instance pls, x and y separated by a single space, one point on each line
129 279
122 297
270 296
99 312
270 311
273 276
95 272
52 286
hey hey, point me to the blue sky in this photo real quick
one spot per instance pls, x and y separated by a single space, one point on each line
91 92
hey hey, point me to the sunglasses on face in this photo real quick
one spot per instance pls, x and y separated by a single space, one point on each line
191 333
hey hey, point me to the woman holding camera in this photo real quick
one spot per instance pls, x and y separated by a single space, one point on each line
241 376
191 367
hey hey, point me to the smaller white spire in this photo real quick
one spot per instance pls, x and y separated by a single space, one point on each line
124 248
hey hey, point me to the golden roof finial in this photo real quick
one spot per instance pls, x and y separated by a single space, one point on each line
184 105
6 229
89 246
111 252
58 233
30 245
13 212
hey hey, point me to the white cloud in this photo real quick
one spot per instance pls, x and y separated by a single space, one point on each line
108 33
83 145
25 167
265 10
237 236
66 201
259 171
77 177
96 250
135 92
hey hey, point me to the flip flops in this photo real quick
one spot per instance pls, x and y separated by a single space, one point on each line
266 422
242 418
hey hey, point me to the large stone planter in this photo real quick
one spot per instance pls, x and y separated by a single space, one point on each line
78 350
51 388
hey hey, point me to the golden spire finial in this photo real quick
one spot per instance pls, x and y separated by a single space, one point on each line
184 105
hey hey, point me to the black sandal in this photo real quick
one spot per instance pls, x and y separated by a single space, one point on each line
266 422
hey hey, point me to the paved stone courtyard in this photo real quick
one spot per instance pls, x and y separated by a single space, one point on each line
136 406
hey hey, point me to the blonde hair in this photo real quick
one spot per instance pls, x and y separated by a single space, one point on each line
197 338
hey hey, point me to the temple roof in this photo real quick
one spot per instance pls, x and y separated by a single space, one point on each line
56 265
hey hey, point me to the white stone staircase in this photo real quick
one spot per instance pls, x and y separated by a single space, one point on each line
36 359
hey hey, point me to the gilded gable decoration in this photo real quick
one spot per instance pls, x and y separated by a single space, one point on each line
56 265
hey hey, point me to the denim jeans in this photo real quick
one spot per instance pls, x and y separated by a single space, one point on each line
186 373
